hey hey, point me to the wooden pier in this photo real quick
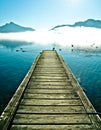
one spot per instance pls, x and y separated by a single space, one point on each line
49 98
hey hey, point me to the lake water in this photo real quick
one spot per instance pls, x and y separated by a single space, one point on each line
17 57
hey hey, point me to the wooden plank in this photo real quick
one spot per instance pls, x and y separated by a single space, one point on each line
51 119
53 127
47 86
51 95
54 77
49 91
49 66
49 73
49 80
49 83
57 74
50 102
49 77
51 109
48 70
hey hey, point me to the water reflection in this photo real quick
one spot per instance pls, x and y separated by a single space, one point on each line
88 52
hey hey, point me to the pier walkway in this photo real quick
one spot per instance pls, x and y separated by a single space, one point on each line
49 98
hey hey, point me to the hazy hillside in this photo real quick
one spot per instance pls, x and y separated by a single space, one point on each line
12 27
88 23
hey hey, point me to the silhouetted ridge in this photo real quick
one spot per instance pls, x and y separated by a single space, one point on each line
12 27
88 23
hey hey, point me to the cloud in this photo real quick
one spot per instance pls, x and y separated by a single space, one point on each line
64 36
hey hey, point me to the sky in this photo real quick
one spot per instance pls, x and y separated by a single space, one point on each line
41 14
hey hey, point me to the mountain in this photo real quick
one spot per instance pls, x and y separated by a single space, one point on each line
88 23
12 27
59 26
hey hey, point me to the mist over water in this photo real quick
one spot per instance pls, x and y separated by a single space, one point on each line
80 48
63 36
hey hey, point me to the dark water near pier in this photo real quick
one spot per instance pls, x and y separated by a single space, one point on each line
17 57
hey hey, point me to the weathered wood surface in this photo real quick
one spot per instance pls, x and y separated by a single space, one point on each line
51 98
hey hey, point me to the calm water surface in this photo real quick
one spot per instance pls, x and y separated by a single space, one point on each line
17 57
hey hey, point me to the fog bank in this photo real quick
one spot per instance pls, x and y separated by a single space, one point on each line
63 36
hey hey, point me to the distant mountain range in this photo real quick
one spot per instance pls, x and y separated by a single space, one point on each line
88 23
12 27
